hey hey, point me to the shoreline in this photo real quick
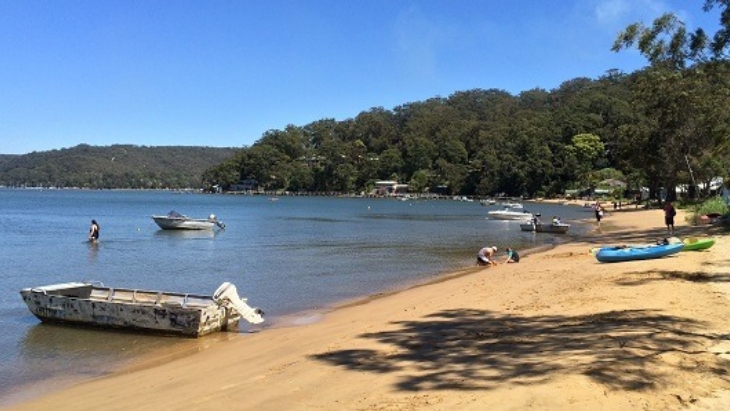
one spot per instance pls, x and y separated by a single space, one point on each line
351 356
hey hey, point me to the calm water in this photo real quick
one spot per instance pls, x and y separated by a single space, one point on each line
289 256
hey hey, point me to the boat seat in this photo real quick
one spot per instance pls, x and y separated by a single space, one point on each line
175 302
171 303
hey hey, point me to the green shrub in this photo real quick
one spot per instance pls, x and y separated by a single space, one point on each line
715 205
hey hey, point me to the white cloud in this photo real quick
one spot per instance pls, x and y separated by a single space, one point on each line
621 12
608 12
418 41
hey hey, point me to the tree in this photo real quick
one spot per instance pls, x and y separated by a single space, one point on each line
587 150
674 91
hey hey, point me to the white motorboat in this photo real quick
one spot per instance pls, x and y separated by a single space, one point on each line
509 213
176 221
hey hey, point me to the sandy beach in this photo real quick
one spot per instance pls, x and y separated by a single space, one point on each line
558 331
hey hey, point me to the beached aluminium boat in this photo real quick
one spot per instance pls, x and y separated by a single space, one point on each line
557 228
631 253
93 304
509 213
176 221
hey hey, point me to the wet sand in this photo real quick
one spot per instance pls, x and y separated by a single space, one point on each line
558 331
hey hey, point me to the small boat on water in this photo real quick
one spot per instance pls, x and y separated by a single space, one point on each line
509 213
556 228
176 221
631 253
93 304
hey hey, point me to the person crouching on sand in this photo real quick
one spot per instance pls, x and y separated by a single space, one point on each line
486 256
512 256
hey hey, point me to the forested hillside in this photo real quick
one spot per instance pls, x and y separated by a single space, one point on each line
117 166
660 127
488 142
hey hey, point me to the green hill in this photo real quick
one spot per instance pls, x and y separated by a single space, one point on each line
116 166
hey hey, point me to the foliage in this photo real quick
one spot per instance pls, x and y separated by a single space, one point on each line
117 166
682 96
489 142
475 142
714 205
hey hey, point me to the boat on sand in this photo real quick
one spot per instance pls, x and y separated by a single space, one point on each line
632 253
696 244
93 304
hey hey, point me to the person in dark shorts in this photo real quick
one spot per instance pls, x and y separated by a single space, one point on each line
512 256
599 214
669 213
94 231
486 256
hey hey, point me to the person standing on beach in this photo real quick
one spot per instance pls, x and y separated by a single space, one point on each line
94 231
599 214
669 213
486 256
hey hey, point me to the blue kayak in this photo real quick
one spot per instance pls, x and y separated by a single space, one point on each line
617 254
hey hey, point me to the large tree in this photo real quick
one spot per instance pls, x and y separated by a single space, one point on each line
682 95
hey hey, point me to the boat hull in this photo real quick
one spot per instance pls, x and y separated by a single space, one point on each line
620 254
509 215
175 223
545 228
695 244
87 304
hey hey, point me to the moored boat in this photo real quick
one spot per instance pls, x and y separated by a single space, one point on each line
93 304
176 221
557 228
508 213
631 253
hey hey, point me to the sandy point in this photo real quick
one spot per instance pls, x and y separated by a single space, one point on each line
558 331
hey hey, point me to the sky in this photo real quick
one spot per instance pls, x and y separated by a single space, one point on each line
221 73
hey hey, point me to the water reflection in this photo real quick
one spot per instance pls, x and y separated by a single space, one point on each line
101 350
93 251
186 234
47 341
47 350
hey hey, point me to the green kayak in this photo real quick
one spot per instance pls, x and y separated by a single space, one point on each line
694 243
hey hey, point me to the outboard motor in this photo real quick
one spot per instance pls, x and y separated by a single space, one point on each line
227 295
213 219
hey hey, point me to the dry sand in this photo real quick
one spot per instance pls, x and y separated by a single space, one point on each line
558 331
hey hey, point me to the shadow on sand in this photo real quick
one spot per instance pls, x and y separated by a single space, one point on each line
477 350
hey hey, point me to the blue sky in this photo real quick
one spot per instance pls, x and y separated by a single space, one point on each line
221 73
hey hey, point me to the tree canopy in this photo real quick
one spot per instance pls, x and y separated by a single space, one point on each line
489 142
659 127
117 166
